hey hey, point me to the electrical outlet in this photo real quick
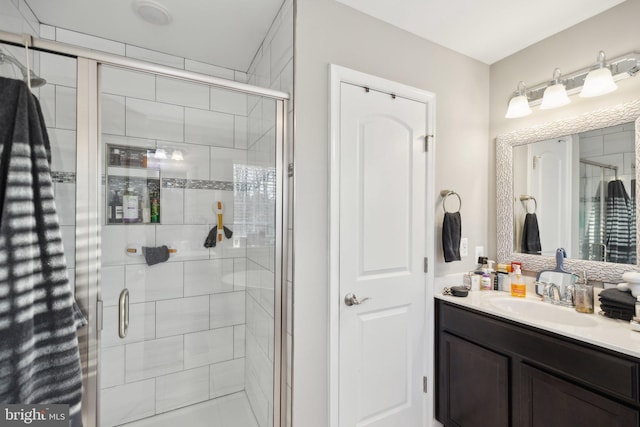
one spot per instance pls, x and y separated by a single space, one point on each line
464 247
479 251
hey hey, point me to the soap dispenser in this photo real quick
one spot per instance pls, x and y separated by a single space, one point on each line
583 294
518 287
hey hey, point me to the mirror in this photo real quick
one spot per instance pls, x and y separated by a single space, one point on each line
580 191
508 198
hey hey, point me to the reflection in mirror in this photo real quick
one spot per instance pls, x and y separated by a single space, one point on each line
508 200
577 192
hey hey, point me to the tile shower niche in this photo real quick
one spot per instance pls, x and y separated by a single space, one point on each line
133 185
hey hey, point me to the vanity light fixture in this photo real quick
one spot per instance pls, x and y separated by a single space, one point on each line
518 104
161 154
555 95
621 67
177 155
599 81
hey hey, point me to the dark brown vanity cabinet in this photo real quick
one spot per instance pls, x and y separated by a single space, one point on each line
494 372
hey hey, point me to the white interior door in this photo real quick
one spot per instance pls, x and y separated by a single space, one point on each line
550 184
382 247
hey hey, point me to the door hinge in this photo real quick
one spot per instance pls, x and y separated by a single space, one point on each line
534 161
426 142
290 170
99 311
424 384
426 264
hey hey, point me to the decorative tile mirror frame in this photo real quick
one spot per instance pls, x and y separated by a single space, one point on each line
611 116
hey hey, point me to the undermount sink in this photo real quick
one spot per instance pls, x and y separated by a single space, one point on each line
541 311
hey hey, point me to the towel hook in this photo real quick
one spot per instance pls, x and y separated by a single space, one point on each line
446 193
526 198
27 43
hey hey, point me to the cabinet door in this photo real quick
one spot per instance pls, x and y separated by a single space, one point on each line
548 401
473 385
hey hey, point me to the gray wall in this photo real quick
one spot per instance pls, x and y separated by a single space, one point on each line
329 32
615 31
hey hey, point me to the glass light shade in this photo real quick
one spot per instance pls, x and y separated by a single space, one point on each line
554 96
518 107
598 82
177 155
160 154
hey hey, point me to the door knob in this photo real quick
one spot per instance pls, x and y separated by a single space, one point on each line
351 299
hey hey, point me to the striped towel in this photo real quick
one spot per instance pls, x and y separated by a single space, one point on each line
39 357
620 232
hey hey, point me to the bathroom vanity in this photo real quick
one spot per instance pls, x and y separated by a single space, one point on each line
498 363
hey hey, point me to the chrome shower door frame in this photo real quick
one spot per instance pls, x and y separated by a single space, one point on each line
88 228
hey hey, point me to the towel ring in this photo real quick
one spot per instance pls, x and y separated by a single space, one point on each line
526 198
446 193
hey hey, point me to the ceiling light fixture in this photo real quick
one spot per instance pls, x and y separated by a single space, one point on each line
561 87
555 95
151 12
599 81
518 104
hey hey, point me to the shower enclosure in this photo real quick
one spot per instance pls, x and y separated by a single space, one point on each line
148 161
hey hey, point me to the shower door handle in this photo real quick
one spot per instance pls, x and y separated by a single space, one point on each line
123 313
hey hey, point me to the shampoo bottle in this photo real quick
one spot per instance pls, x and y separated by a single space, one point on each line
486 283
518 288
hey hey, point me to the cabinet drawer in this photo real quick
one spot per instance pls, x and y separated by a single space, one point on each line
584 363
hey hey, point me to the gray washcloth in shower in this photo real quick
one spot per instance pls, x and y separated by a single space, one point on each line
155 255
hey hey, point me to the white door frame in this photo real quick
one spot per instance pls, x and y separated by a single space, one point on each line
338 75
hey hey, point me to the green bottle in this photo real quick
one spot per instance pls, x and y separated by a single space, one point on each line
155 208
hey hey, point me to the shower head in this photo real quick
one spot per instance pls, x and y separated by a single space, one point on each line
36 81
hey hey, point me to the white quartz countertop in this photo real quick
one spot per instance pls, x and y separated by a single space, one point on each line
595 329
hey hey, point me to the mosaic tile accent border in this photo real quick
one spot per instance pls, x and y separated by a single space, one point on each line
64 177
197 184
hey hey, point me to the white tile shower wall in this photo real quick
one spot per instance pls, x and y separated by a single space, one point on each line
187 329
125 400
272 67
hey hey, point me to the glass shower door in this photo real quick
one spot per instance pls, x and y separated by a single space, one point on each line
189 248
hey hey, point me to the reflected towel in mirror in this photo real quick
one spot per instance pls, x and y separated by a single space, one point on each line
531 235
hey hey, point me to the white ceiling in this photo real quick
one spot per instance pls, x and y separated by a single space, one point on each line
487 30
229 32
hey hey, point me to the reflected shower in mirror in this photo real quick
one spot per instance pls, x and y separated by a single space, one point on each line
577 192
510 186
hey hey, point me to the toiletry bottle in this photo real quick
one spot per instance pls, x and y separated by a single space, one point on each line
486 283
584 294
155 208
492 274
111 212
130 206
119 213
518 288
145 209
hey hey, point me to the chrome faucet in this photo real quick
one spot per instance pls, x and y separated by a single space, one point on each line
565 296
553 292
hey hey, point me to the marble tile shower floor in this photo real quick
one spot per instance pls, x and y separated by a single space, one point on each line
227 411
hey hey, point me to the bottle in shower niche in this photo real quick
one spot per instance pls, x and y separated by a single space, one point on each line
145 209
118 212
111 209
155 208
130 205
